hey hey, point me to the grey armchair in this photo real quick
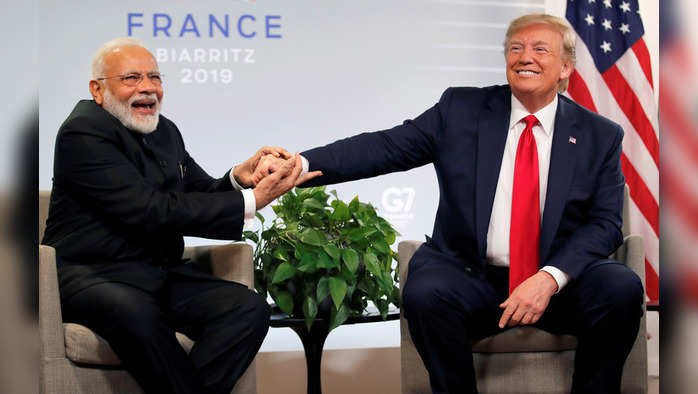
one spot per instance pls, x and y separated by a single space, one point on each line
527 359
76 360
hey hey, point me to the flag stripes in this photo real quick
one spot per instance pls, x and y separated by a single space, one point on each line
613 77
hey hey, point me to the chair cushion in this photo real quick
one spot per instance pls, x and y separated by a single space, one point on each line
83 346
525 339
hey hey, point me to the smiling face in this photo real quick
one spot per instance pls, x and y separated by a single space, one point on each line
536 65
137 107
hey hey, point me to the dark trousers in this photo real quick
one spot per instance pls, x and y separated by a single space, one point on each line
447 307
227 321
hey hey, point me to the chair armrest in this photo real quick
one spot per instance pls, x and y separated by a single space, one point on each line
632 254
231 262
50 317
405 251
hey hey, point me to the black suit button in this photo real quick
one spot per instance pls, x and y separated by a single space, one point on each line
163 163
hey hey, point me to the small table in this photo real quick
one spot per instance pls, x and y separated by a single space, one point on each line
314 340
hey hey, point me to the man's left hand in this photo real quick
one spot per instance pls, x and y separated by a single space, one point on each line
243 172
528 301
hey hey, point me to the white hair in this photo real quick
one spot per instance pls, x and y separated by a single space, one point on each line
117 43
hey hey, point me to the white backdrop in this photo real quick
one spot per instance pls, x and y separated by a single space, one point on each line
295 74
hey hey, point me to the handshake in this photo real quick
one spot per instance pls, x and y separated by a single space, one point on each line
272 171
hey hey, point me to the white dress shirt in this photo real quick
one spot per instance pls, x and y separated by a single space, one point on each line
248 197
500 221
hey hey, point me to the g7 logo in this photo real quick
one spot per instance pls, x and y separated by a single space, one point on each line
397 200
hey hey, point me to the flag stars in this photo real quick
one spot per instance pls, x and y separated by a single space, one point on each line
624 28
607 24
592 1
607 3
625 6
589 19
606 47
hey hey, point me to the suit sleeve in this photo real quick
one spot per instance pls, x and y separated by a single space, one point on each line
97 170
600 235
196 179
409 145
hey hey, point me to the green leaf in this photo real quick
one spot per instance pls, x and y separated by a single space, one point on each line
390 237
333 251
372 264
382 306
311 203
302 193
283 271
351 259
395 297
308 263
356 234
324 261
280 254
323 288
338 289
354 205
259 216
309 311
284 301
313 237
251 235
347 275
382 246
319 194
386 283
341 211
312 219
369 231
338 316
369 287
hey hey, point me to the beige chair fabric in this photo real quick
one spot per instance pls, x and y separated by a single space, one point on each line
76 360
527 359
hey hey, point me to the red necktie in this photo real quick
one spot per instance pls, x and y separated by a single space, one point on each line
525 210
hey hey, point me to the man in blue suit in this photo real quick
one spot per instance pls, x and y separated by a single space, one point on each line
530 208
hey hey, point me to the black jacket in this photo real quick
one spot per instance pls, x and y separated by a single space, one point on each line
124 197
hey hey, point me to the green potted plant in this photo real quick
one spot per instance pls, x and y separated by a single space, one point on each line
322 258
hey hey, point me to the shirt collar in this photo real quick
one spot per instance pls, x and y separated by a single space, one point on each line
546 115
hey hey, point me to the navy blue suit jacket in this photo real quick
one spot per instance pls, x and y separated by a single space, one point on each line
464 136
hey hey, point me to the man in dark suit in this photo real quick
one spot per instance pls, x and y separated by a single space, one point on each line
125 191
530 208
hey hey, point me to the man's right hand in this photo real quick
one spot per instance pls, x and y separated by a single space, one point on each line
269 164
283 179
244 172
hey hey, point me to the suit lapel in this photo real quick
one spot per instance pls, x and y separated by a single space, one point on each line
493 127
563 157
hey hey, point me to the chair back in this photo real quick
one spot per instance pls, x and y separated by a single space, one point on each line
626 211
44 200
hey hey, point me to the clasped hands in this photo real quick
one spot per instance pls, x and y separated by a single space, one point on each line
272 171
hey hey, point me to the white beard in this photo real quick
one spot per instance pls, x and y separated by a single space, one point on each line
144 124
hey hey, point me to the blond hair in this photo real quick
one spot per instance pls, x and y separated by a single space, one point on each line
559 25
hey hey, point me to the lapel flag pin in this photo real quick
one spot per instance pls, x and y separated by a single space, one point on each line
572 140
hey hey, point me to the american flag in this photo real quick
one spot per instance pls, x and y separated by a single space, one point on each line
613 77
